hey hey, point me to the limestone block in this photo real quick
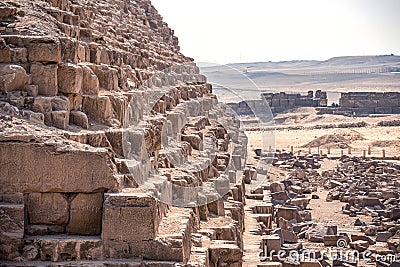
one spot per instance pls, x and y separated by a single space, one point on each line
272 244
12 218
193 139
83 52
75 101
56 173
98 108
11 230
288 213
34 116
85 214
264 209
42 104
289 236
277 187
216 207
5 54
60 119
160 249
130 217
225 254
90 84
44 50
383 236
70 79
332 240
19 55
31 90
266 219
12 78
45 77
47 208
60 103
79 118
69 49
108 77
66 248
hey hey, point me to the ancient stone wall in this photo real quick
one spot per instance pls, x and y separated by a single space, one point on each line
362 103
279 102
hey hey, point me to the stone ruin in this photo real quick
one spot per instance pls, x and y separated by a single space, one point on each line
70 71
370 103
280 102
366 187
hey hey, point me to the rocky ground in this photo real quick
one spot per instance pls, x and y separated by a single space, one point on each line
319 201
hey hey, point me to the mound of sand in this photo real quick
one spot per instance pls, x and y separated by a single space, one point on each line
339 138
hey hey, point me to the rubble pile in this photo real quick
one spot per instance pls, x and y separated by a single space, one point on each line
288 232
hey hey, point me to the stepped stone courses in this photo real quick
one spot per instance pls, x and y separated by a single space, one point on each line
68 71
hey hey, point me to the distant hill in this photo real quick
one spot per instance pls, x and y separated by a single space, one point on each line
338 74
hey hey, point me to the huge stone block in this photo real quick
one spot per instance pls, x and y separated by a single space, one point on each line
108 77
44 50
47 208
85 214
59 119
79 118
130 217
60 169
70 79
90 84
45 77
12 78
98 108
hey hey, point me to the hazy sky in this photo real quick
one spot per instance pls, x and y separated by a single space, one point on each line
227 31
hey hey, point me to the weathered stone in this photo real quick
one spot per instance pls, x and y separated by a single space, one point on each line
331 240
289 214
383 236
12 78
60 103
266 219
31 90
85 214
194 140
276 187
44 50
289 236
60 119
225 254
79 118
271 244
130 217
70 79
45 77
47 208
98 108
56 174
11 230
90 84
363 238
359 245
108 77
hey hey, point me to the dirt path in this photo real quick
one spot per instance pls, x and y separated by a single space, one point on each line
251 241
